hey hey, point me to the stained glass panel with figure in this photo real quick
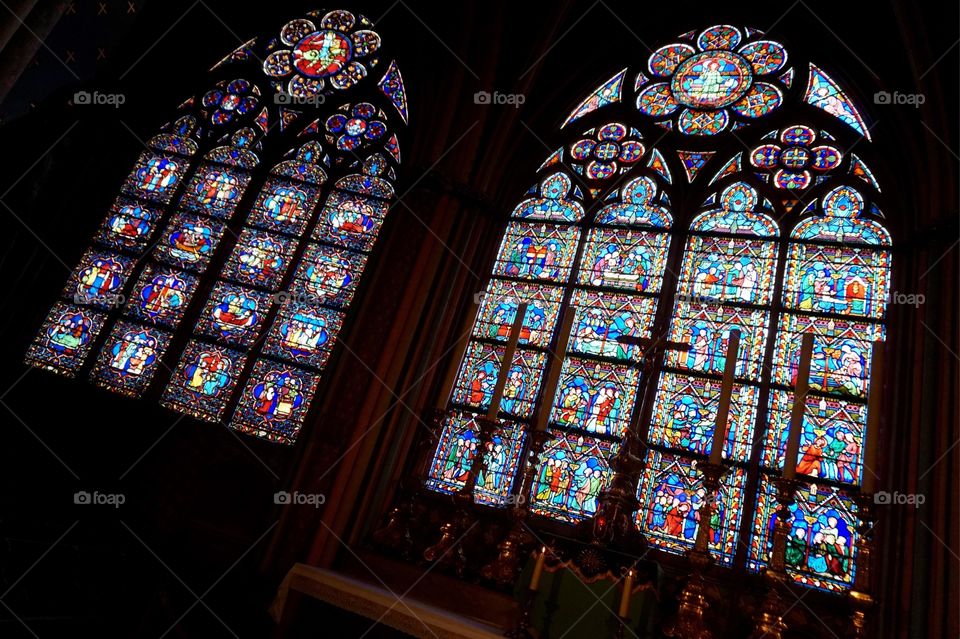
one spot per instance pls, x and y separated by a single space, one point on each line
821 546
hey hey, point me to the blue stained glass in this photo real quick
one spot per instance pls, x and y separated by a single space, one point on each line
234 314
479 372
498 309
329 275
831 439
350 220
303 334
284 206
573 469
706 328
602 318
189 241
553 203
671 495
595 396
203 381
842 222
637 207
630 260
537 251
98 280
215 191
128 225
391 84
842 353
607 93
155 177
685 415
161 296
457 450
259 259
65 338
274 402
130 358
823 93
737 214
821 546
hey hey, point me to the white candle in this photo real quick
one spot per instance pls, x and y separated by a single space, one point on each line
799 406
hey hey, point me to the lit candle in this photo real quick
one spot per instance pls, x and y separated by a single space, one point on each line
799 405
726 390
538 570
873 420
625 596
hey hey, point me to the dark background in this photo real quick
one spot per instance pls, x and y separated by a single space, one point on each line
199 509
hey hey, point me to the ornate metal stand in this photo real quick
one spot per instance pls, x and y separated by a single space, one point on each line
861 598
769 622
689 622
505 569
613 526
448 551
396 533
522 629
622 623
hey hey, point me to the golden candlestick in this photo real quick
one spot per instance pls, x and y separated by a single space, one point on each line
690 622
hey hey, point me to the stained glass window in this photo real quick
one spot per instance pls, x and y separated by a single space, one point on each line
671 495
292 252
821 546
788 240
457 450
572 471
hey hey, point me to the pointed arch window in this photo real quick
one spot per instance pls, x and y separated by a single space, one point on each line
219 280
788 240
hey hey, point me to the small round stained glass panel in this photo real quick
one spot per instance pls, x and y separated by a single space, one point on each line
711 80
322 53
